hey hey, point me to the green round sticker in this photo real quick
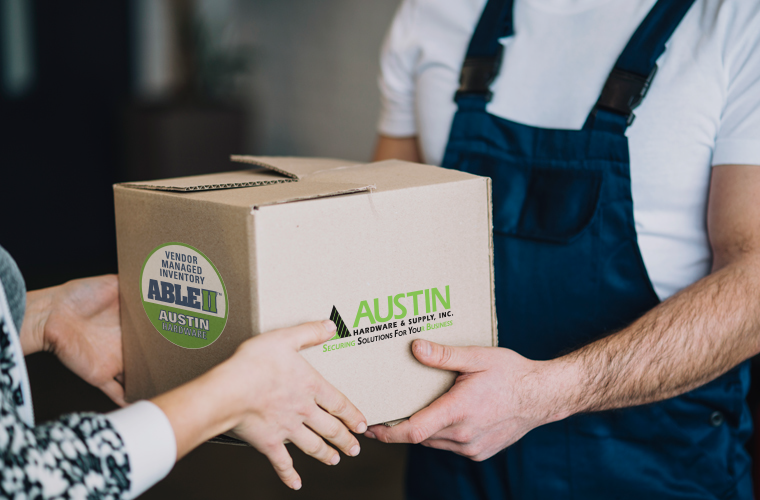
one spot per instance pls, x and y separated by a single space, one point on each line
184 295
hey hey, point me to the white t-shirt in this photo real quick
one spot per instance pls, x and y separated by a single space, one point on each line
703 108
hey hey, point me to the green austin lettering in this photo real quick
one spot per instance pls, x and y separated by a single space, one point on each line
433 298
445 303
400 306
414 295
363 312
379 318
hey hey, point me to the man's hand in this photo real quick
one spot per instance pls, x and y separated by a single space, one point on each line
498 397
79 322
686 341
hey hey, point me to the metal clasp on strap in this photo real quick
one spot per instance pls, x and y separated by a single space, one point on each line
477 75
624 91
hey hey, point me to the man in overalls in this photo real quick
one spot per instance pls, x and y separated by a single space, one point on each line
626 246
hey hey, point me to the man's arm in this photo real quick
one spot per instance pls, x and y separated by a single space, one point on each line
688 340
701 332
397 148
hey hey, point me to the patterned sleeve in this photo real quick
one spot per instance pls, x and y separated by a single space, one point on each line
76 457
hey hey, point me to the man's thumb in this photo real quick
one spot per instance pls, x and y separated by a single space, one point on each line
445 357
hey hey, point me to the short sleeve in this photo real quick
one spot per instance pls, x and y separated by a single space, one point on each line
396 80
738 140
149 441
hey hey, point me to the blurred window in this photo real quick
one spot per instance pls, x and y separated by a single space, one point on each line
16 30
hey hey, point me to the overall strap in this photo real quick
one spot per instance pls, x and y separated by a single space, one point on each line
636 67
484 54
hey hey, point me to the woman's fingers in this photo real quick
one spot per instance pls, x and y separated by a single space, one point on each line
309 334
334 431
283 464
333 401
329 398
115 391
314 446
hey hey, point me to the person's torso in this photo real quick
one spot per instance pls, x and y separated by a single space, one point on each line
553 70
567 265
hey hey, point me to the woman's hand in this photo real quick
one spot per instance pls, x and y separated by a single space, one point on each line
79 322
268 394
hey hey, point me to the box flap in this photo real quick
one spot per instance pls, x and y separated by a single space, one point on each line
210 182
272 170
283 180
293 167
307 190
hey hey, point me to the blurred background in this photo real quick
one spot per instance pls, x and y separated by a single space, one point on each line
93 93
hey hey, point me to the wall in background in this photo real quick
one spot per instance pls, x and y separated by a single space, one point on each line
309 87
312 89
60 135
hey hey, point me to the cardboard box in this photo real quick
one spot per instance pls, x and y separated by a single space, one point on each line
206 262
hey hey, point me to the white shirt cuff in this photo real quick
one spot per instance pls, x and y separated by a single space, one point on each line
736 152
393 125
18 372
149 441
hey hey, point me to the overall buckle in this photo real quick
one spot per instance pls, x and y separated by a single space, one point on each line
477 75
624 91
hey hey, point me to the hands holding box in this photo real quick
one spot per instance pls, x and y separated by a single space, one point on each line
266 393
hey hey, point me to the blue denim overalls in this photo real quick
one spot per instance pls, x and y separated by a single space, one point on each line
569 271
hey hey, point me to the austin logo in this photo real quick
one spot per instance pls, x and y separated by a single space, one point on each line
342 331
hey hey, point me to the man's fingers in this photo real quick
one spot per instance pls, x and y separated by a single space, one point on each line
314 446
467 450
443 444
333 401
421 425
283 464
445 357
334 431
454 447
310 334
405 432
454 433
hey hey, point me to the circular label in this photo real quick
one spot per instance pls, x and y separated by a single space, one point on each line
183 295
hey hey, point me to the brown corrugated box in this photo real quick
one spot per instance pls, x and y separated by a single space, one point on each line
300 239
